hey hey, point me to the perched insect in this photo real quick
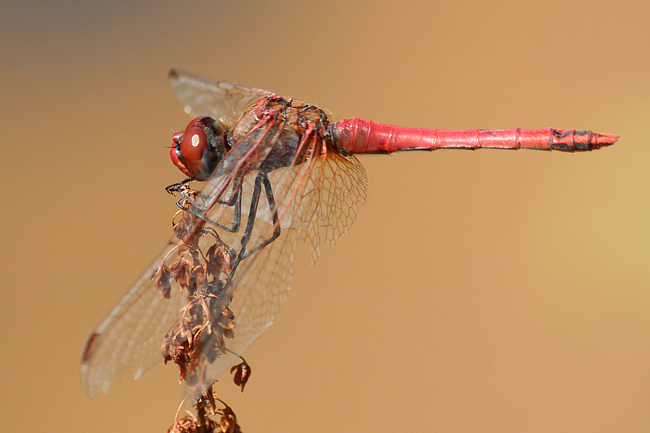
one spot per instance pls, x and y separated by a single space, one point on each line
276 170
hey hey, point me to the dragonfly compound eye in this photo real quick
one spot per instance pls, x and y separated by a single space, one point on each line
199 149
175 153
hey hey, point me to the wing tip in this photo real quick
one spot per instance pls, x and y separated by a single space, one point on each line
173 74
89 350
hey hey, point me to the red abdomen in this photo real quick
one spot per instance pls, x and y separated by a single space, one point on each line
365 136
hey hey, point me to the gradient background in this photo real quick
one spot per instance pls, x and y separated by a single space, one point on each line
477 292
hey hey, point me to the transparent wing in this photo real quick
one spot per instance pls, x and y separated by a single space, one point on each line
274 215
218 284
130 337
260 285
223 100
303 205
337 189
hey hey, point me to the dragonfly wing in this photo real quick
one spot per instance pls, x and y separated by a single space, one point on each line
260 286
235 294
302 201
223 100
130 337
337 189
260 283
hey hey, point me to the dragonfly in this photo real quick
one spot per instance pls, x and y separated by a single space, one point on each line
274 171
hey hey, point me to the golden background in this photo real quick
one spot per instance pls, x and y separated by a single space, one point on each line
486 291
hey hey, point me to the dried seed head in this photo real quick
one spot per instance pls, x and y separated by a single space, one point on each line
242 374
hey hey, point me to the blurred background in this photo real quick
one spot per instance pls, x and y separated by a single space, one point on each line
486 291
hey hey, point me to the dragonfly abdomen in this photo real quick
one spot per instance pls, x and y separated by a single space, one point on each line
365 136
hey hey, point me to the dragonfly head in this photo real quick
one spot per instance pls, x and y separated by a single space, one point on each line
198 150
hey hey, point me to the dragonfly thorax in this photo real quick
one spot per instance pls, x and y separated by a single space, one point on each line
281 132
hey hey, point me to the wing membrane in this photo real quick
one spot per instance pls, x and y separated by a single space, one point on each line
223 100
130 338
218 284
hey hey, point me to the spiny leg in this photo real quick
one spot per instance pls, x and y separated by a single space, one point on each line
261 178
178 186
268 189
234 201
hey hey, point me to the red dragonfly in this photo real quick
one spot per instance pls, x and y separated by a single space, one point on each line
275 170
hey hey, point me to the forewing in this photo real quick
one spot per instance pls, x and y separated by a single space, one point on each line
259 286
223 100
320 193
261 283
131 336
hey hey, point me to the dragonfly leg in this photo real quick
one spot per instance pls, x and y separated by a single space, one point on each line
275 218
178 186
252 212
250 223
249 227
234 201
261 179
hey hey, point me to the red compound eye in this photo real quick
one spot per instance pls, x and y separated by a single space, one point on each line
193 144
198 150
175 153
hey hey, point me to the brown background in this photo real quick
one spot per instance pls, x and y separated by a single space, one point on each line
477 292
